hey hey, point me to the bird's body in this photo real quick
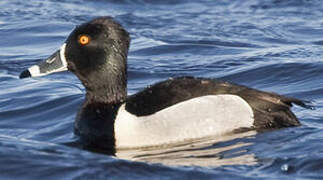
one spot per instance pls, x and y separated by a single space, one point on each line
170 111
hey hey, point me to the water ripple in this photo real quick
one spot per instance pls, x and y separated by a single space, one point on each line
270 45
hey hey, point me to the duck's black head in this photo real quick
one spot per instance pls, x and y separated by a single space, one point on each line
96 52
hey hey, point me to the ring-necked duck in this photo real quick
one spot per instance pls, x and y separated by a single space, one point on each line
173 110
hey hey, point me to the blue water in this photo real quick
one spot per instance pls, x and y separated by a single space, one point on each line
272 45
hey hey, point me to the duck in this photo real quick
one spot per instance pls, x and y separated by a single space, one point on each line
170 111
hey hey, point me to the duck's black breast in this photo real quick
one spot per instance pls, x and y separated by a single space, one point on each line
270 110
94 124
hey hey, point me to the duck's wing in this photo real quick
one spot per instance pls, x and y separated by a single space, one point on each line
270 110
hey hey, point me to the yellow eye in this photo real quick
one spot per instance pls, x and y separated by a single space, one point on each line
84 40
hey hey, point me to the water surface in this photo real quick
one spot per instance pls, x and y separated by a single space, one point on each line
271 45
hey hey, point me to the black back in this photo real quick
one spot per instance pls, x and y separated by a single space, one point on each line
270 110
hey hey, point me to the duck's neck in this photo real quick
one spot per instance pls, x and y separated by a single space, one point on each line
106 95
95 121
106 91
108 88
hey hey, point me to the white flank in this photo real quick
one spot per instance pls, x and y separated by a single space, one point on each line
195 118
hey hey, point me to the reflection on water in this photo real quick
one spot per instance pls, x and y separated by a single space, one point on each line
212 151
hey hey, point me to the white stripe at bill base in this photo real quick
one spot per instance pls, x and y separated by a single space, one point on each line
35 69
62 55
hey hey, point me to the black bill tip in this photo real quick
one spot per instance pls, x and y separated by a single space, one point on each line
25 74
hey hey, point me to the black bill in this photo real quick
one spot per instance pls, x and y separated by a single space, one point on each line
55 63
